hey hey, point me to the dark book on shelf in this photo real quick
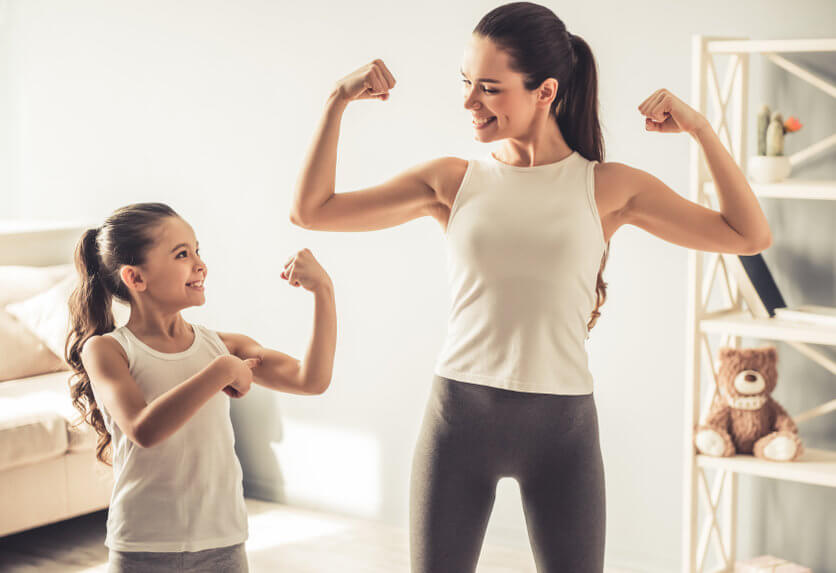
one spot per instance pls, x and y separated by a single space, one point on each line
756 284
762 280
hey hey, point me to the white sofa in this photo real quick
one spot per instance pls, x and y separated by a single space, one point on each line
48 468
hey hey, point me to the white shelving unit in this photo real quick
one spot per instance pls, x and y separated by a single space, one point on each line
717 528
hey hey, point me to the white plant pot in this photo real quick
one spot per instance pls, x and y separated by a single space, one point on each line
769 169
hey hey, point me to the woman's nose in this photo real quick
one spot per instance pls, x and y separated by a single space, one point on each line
470 102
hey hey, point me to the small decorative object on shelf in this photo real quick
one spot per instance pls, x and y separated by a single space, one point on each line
769 564
744 419
770 165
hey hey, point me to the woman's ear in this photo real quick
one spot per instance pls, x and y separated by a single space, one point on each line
547 92
132 277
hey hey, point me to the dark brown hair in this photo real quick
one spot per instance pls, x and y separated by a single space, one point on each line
540 47
123 239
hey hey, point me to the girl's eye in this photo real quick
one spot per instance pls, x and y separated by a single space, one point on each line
181 253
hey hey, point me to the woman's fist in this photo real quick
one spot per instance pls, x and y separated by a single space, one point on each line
302 269
372 81
667 113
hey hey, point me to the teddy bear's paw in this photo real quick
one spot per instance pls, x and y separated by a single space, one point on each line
710 442
779 448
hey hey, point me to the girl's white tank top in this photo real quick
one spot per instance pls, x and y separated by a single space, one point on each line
524 246
185 493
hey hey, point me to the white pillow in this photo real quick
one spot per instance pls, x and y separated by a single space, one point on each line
18 283
22 354
48 314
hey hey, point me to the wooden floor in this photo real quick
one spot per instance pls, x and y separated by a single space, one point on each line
282 539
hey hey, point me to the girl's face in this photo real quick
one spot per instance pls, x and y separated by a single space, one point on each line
173 273
494 92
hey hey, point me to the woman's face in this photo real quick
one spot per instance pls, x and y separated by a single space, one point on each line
494 92
173 272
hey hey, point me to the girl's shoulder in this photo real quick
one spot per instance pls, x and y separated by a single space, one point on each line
105 347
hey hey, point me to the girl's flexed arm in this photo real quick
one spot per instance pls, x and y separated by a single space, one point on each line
281 371
148 424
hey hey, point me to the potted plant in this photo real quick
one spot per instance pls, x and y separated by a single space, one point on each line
770 165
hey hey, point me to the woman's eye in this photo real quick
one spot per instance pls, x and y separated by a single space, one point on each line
486 90
181 253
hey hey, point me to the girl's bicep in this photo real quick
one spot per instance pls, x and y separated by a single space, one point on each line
276 370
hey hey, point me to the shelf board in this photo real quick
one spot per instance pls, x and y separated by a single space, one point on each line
788 189
816 467
772 46
744 324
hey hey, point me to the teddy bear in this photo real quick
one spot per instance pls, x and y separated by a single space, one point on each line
743 418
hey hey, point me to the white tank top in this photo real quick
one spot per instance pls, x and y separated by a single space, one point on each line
524 246
185 493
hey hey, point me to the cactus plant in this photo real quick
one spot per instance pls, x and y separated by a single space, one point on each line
775 136
763 124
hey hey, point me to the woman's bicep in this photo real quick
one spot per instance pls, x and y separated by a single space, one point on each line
407 196
659 210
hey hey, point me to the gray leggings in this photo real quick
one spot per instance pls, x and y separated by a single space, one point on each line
472 436
232 559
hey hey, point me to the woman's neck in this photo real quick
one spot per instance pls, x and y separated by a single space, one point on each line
542 144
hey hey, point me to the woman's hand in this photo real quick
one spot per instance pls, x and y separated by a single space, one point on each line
302 269
242 376
667 113
372 81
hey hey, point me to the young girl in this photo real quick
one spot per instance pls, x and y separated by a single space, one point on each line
152 389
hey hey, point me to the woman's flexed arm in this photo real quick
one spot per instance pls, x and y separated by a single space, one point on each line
407 196
738 227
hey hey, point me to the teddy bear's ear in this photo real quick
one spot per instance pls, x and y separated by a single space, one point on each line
725 353
771 353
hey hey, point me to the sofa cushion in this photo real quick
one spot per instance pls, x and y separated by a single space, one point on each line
36 420
22 354
18 283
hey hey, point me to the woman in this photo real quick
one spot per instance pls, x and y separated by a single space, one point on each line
528 230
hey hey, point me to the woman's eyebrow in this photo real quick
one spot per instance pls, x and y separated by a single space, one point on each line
484 80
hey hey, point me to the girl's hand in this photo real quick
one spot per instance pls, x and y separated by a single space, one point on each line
302 269
372 81
242 376
668 114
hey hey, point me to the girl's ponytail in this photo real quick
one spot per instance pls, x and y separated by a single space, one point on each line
91 314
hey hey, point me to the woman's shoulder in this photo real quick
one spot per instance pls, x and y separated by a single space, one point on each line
615 184
445 176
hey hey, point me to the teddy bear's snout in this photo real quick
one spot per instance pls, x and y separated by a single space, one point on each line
749 382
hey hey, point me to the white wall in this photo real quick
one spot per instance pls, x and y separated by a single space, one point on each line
209 106
7 130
